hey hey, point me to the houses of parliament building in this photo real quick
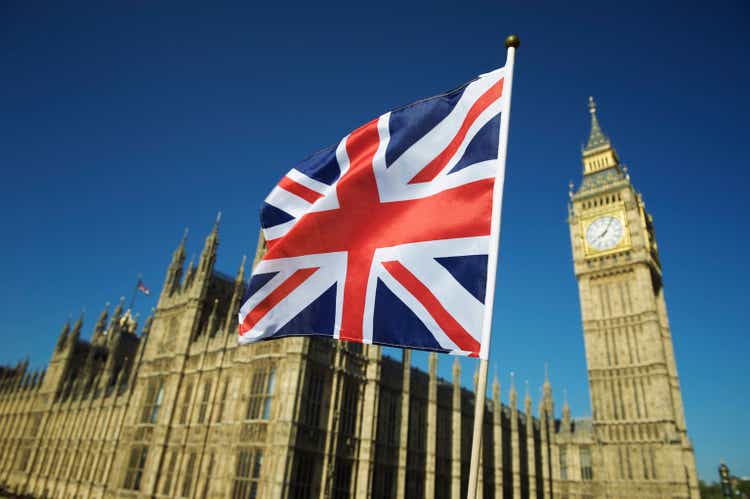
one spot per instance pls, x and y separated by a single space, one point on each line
178 409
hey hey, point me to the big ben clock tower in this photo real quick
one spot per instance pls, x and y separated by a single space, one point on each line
641 444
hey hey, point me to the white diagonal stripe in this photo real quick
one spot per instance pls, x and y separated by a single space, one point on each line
275 232
288 202
308 182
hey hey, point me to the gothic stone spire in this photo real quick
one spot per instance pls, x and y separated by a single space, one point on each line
237 294
76 334
601 165
101 323
208 255
63 335
174 272
596 137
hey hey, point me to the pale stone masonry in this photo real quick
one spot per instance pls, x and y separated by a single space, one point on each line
177 409
637 443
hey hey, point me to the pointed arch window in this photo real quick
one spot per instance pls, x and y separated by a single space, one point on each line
186 403
187 482
204 402
261 394
587 472
247 474
313 398
152 402
166 486
563 463
136 464
222 402
209 473
348 408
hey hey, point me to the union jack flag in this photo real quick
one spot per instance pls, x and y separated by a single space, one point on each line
384 237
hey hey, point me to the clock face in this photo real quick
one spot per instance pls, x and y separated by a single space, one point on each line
604 233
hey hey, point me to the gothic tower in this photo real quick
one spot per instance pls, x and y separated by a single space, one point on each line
639 424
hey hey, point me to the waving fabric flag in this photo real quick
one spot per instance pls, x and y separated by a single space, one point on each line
384 237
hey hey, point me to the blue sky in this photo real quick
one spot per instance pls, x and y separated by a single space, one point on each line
124 123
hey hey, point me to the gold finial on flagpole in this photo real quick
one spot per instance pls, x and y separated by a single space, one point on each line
512 41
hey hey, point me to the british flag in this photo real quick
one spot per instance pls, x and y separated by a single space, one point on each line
384 238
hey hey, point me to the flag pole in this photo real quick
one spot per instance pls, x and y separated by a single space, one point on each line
135 291
511 43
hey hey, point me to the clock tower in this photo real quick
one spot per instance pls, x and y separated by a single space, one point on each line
641 445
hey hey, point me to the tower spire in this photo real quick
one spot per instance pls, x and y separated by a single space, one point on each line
241 272
190 274
237 294
208 255
566 412
118 311
527 398
101 323
179 253
64 334
174 272
547 404
596 136
215 229
76 333
598 155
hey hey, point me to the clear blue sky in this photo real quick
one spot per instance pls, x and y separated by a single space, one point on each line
122 124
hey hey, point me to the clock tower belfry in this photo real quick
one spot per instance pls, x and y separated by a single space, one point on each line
641 444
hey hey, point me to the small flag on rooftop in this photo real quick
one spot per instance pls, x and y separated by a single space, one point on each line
142 288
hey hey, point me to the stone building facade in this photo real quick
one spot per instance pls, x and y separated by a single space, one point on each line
179 410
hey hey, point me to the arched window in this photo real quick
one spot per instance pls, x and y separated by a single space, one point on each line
247 473
587 472
136 464
186 403
152 402
204 402
563 463
261 394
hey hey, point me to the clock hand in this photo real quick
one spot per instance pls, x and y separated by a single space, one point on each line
606 229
